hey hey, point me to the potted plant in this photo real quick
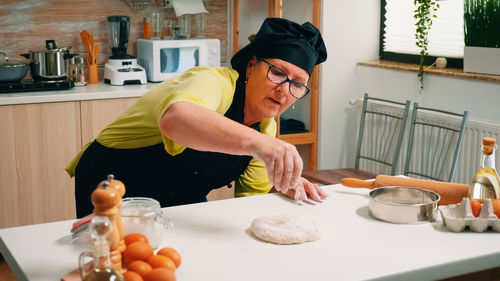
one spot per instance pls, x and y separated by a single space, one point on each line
424 13
482 36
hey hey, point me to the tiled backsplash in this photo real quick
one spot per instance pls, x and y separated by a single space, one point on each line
25 25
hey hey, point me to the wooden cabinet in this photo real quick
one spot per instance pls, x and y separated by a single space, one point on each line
38 141
96 114
310 138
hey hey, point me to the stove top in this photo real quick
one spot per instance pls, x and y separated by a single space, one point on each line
31 86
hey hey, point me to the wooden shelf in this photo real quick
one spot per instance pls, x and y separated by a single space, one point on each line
299 138
275 9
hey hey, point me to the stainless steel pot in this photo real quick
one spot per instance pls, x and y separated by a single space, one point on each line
11 70
401 204
51 63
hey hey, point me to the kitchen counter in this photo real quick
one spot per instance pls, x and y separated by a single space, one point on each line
89 92
215 244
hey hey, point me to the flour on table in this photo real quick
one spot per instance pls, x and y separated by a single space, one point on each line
284 229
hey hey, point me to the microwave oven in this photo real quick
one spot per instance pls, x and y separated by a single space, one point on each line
163 59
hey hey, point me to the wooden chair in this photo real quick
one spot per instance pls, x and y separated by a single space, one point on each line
382 123
434 143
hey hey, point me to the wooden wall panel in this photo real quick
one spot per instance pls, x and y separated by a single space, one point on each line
25 25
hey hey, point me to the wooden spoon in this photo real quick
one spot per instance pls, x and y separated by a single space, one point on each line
95 53
85 41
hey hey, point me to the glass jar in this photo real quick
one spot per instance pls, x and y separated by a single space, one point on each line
182 30
79 72
147 28
72 69
168 29
144 215
156 25
199 25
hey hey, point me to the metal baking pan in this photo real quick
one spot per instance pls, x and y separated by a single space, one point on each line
401 204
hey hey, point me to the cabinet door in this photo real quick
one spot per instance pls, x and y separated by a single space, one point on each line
38 141
97 114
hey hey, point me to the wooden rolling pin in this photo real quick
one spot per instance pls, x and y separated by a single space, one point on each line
451 193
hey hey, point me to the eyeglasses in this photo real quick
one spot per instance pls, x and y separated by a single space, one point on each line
278 76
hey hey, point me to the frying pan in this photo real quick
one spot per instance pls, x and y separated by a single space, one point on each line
12 70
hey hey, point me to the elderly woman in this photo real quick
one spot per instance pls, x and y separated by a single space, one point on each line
209 127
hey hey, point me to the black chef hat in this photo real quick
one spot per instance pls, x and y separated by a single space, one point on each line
301 45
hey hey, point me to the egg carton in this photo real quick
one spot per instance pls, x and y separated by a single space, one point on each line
457 217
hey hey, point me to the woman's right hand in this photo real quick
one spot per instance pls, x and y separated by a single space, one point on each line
283 162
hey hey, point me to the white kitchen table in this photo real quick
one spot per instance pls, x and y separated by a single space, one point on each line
215 244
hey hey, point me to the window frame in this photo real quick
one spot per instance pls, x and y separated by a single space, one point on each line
408 58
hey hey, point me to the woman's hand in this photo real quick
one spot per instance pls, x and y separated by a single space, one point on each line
282 160
308 190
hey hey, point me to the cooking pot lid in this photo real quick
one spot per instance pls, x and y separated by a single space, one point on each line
6 62
51 47
57 50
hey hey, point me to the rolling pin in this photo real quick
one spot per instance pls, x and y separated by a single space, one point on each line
451 193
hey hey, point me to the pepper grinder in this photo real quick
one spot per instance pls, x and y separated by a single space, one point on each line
107 201
120 188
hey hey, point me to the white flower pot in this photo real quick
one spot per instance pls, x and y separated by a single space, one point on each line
482 60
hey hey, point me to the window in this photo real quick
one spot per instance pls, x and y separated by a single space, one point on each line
397 32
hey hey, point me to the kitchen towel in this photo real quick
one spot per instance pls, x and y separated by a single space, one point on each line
182 7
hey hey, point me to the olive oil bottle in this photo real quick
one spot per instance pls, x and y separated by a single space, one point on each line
486 183
100 228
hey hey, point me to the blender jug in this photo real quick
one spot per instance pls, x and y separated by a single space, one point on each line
118 32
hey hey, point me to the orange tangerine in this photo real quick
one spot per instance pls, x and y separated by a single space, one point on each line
134 237
172 254
160 274
161 261
137 251
132 276
140 266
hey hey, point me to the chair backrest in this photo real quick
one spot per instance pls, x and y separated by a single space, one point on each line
384 126
434 143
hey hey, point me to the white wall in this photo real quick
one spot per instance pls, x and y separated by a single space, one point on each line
351 30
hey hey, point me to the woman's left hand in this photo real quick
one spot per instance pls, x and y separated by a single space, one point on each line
307 190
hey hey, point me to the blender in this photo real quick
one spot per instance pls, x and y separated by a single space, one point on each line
121 68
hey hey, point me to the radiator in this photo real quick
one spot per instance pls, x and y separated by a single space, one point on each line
470 154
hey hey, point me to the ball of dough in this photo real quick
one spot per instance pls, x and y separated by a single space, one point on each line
284 229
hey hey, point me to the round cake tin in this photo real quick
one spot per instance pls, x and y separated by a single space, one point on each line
401 204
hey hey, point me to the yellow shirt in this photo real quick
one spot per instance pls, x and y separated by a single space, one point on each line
139 126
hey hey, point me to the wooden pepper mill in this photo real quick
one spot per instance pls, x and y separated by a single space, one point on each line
120 188
107 201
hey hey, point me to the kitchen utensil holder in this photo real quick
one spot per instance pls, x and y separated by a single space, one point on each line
93 74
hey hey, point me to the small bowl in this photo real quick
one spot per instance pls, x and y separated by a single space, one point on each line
405 205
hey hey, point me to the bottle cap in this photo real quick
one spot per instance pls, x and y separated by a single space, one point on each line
488 145
489 141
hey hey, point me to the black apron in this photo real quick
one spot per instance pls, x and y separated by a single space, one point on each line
151 172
